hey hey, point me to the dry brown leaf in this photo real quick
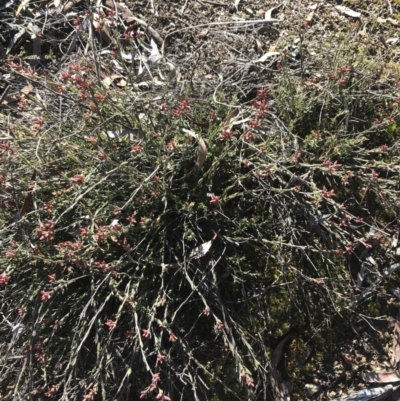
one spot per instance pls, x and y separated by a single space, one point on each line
282 388
396 341
380 377
107 81
28 200
27 89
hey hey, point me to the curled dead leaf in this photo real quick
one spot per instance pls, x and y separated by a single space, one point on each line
201 156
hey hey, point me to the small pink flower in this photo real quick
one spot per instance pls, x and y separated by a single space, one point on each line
45 295
297 155
65 76
10 254
82 96
40 357
21 104
21 311
226 135
338 252
100 97
52 391
110 324
365 243
77 179
328 194
4 279
101 265
247 163
206 311
215 199
83 231
160 359
89 396
219 325
164 107
51 278
156 378
263 93
248 136
38 122
102 155
136 149
254 124
249 382
333 167
162 397
145 333
172 338
171 146
48 207
91 139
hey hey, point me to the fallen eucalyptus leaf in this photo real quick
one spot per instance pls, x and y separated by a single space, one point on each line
367 394
348 11
380 377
